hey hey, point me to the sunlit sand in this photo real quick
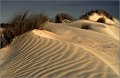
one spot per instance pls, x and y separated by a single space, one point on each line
64 50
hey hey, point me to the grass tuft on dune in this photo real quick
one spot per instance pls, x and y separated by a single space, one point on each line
21 23
101 20
61 17
99 12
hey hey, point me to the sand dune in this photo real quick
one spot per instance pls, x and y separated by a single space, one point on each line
63 51
101 44
111 30
40 57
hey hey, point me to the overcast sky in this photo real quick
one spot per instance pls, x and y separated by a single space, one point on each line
51 8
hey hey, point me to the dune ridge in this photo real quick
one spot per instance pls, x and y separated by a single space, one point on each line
56 58
112 59
107 49
111 30
78 49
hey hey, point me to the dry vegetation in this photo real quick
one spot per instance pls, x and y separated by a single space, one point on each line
24 21
100 12
63 16
101 20
19 24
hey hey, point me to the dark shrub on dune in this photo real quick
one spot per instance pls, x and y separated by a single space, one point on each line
85 26
62 16
6 37
101 20
100 12
4 25
21 23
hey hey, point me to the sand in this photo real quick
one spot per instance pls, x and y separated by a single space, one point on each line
63 51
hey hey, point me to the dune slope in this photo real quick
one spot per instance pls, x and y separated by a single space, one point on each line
102 45
65 50
35 56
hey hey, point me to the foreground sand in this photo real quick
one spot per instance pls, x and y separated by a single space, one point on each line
62 51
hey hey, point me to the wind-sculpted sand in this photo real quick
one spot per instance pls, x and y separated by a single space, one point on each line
63 51
101 44
111 30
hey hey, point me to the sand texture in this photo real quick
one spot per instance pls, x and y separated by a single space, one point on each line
63 51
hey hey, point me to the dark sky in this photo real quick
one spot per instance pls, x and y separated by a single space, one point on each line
51 8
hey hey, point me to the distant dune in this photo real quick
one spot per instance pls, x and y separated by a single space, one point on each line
79 49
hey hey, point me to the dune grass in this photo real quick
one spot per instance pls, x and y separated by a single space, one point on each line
101 20
63 16
24 21
21 23
100 12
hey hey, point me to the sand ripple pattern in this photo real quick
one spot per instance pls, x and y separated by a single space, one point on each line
99 44
34 56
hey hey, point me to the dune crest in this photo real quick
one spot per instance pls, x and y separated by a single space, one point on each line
56 58
78 49
93 41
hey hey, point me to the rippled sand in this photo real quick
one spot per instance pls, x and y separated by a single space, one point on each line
63 51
